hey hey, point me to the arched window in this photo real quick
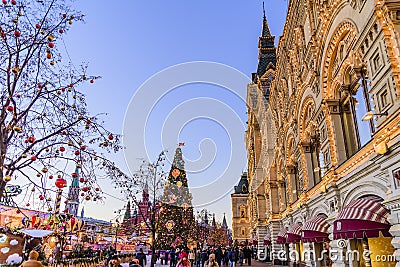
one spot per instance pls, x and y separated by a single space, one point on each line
355 102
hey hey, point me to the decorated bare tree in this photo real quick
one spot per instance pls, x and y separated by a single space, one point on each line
46 131
145 188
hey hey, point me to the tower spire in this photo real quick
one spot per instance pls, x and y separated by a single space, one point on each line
266 48
73 194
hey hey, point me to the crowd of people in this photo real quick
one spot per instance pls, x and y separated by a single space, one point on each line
210 257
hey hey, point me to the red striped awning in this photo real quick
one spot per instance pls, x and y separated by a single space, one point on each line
362 217
315 229
294 233
267 239
282 235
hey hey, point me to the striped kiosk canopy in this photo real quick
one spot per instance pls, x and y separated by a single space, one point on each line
267 239
315 229
294 233
364 217
282 235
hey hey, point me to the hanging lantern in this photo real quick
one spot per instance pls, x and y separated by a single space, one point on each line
61 183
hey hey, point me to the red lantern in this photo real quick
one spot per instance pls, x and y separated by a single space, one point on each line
61 183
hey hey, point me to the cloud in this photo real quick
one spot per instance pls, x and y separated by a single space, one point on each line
14 242
5 250
14 258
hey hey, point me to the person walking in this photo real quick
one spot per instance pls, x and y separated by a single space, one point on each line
204 256
211 261
141 257
192 257
32 262
241 256
231 257
183 262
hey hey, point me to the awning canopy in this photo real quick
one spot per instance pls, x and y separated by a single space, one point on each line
282 235
294 233
315 229
35 233
364 217
267 239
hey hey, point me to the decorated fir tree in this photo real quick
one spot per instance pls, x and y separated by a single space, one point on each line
176 220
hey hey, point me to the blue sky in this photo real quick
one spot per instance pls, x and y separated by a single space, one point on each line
128 41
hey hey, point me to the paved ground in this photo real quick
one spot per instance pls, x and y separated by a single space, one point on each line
254 263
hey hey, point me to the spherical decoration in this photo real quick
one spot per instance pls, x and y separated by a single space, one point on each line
74 175
87 197
169 225
60 30
48 56
7 178
97 189
41 197
37 26
44 170
4 2
61 183
82 194
50 38
51 45
13 2
15 70
81 180
33 158
51 177
179 183
10 108
91 81
83 147
27 204
111 137
17 34
76 153
64 15
31 139
62 149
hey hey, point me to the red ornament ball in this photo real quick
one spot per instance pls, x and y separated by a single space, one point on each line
82 194
51 45
97 189
71 85
62 149
76 153
81 180
4 2
17 34
64 15
13 2
61 183
91 81
18 211
83 147
10 108
27 204
33 158
60 30
37 26
31 139
51 177
111 137
41 197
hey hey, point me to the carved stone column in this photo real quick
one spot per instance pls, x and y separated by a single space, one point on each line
334 112
309 165
293 193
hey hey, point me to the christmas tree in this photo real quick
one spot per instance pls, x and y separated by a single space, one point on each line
176 220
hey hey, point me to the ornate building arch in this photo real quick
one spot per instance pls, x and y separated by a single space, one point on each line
340 45
371 188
